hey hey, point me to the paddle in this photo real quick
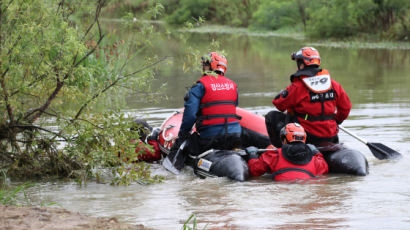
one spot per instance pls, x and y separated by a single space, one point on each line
379 150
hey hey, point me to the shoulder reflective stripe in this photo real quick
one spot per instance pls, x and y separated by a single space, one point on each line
318 83
217 103
280 171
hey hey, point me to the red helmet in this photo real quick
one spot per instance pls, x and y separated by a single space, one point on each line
217 62
309 55
293 132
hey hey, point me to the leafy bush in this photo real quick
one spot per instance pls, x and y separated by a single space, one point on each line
56 67
373 18
273 15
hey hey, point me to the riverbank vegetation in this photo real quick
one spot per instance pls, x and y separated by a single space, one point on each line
59 72
369 20
63 72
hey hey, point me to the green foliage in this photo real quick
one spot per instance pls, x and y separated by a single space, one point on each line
234 12
331 19
191 223
188 10
273 15
58 69
126 174
371 19
9 196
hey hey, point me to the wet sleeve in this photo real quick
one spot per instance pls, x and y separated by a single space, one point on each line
157 151
343 103
191 108
146 152
286 98
320 164
257 167
264 164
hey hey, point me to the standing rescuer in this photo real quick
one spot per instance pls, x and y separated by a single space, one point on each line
295 160
210 104
313 99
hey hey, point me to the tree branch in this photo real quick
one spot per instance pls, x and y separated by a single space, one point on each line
39 111
113 84
36 113
100 5
11 1
39 128
89 52
146 67
6 96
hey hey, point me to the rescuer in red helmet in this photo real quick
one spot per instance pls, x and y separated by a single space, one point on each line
295 160
313 99
210 104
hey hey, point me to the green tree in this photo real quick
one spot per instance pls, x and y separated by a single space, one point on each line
234 12
277 14
373 19
56 62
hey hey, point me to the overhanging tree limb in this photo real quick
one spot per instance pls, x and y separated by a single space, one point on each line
30 127
101 4
114 83
34 114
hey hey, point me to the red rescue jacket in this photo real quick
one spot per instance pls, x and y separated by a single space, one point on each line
218 105
318 102
274 162
146 154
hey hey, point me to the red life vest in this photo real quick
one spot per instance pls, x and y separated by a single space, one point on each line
285 170
218 105
320 91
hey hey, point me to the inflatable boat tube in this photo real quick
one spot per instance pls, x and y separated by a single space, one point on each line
220 163
254 131
344 160
339 158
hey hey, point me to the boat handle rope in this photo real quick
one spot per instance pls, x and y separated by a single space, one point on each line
170 136
202 154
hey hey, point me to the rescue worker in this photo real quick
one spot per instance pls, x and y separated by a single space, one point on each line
148 136
313 99
295 160
210 104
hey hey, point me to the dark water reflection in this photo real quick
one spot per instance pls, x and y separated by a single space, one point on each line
378 82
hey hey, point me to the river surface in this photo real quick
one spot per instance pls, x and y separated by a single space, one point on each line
378 83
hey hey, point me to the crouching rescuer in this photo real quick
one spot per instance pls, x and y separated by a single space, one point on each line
294 160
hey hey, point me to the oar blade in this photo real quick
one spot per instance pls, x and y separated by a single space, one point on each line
381 151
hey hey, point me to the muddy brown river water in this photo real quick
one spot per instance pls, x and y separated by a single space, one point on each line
378 83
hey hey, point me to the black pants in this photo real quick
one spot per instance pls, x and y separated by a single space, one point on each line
253 138
276 120
195 145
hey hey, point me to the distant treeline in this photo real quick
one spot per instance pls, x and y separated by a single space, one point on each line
369 19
